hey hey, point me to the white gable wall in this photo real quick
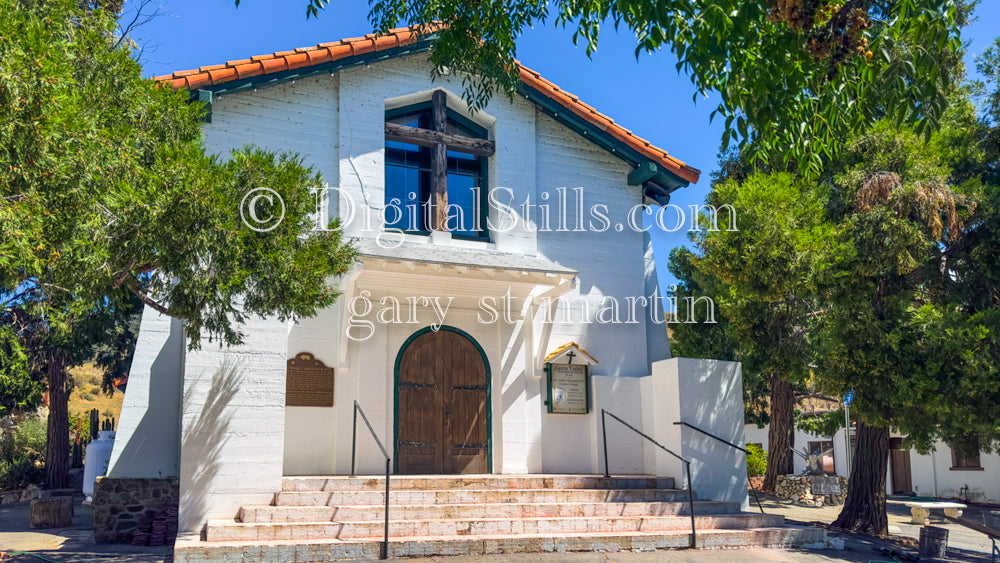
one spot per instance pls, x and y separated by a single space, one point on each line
611 269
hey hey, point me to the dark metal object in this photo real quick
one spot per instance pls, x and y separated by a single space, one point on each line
731 445
687 465
384 552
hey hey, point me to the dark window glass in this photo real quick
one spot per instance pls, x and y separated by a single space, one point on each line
407 185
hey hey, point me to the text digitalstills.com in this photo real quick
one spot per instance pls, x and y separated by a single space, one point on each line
562 210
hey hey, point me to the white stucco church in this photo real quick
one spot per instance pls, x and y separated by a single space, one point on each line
472 347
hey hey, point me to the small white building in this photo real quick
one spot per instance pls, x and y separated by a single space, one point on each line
443 331
947 472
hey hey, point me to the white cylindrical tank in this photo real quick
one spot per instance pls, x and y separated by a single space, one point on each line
95 463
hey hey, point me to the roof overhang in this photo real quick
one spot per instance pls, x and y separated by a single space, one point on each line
656 171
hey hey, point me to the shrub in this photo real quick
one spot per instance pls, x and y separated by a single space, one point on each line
95 380
31 436
756 460
86 396
18 471
21 454
95 391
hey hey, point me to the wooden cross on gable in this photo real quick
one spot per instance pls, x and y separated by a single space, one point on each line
439 140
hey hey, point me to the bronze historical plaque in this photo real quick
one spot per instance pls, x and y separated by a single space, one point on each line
308 382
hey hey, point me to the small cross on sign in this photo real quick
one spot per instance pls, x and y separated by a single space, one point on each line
571 355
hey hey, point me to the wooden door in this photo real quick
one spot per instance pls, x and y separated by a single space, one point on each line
899 462
441 424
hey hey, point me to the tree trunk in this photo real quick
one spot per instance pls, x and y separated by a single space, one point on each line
864 509
780 432
57 450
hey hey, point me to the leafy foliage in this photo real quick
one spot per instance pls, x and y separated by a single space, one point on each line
756 461
110 200
825 424
109 189
18 389
794 76
21 453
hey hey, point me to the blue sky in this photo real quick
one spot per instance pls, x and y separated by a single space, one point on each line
647 96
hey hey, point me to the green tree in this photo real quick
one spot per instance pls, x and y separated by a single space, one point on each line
18 389
761 271
794 76
108 197
911 316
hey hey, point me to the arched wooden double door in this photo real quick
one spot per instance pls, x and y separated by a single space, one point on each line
442 401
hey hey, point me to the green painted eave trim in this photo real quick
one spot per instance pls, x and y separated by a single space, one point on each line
204 96
594 134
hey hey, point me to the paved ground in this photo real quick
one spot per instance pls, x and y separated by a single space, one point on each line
899 521
76 544
65 545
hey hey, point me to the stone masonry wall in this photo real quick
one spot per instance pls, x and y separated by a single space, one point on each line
122 504
799 489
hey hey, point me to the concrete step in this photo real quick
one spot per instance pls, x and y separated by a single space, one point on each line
276 514
438 482
189 549
476 496
228 530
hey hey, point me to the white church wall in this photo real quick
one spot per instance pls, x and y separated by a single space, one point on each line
517 404
233 424
709 395
147 442
310 432
626 450
610 262
570 169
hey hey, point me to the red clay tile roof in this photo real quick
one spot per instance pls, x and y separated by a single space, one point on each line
327 52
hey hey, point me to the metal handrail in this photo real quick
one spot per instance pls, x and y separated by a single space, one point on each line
687 464
731 445
384 554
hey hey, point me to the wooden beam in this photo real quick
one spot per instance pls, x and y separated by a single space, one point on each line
439 162
428 138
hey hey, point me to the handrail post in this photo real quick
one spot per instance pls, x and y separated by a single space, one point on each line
755 497
604 432
694 539
384 548
354 439
385 537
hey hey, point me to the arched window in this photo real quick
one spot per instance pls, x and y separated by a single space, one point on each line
435 170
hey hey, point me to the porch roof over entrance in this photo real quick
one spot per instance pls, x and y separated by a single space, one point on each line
467 257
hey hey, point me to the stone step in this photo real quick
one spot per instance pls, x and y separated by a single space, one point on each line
477 496
262 513
438 482
190 549
228 530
